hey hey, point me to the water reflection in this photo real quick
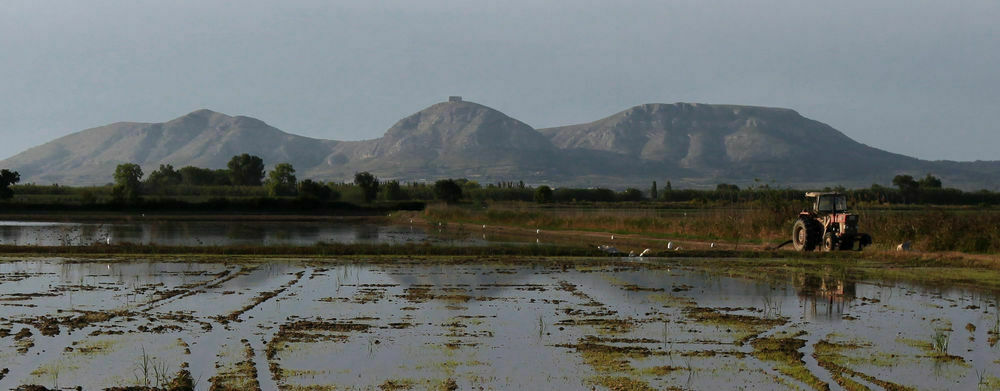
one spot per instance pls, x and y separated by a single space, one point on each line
215 233
497 325
825 295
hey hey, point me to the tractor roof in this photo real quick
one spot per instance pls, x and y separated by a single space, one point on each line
820 193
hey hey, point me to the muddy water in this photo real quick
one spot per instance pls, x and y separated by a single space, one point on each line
216 233
496 325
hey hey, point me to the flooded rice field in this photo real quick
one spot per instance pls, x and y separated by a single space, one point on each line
217 233
483 325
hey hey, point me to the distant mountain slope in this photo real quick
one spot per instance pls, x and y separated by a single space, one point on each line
202 138
458 139
734 142
689 144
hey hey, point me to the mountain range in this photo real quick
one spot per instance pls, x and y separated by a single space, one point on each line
689 144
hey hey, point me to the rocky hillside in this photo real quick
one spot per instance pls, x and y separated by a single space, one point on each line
202 138
733 142
454 139
688 144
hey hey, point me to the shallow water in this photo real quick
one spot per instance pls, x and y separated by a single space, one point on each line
215 233
496 325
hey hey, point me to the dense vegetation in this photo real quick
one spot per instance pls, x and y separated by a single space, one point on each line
757 222
245 178
7 179
946 219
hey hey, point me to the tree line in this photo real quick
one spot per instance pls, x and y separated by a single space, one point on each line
245 176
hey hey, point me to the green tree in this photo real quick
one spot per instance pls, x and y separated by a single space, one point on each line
601 194
163 178
929 182
368 184
908 187
281 180
543 194
468 185
7 179
393 192
310 190
246 170
631 194
652 192
725 187
196 176
128 183
447 190
904 182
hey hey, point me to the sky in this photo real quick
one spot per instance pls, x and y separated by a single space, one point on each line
915 77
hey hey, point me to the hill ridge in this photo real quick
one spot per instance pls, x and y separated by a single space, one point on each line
693 144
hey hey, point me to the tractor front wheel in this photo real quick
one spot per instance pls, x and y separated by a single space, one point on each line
830 242
806 234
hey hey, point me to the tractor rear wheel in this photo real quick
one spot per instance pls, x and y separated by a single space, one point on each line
806 234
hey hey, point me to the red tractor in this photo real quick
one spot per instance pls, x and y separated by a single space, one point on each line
828 226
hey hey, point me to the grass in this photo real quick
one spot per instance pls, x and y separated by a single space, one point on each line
941 340
994 332
784 353
927 228
935 348
740 327
703 224
397 384
241 375
612 362
620 383
830 356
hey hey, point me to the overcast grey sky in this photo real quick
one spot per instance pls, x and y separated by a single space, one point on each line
909 76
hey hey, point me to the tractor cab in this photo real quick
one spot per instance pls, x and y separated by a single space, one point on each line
828 202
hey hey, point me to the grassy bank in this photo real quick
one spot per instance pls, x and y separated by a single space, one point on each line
929 228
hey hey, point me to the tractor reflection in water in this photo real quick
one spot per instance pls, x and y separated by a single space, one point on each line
834 292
